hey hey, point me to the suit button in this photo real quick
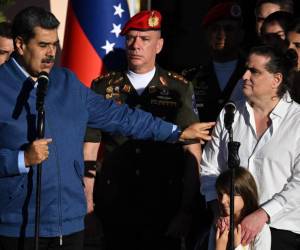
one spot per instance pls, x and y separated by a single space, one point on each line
108 181
137 150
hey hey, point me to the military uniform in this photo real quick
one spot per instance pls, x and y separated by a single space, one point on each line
138 190
210 99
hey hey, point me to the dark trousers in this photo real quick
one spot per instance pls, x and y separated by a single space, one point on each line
284 240
69 242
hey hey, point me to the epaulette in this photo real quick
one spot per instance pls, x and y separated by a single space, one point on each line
105 76
178 77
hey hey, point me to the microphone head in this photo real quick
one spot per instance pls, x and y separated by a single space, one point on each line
230 107
43 77
42 88
229 114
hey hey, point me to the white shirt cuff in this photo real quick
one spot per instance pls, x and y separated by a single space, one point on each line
272 208
21 163
174 127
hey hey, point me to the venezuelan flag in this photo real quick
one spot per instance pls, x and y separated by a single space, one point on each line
92 42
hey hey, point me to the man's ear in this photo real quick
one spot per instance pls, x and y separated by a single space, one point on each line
159 45
19 45
277 79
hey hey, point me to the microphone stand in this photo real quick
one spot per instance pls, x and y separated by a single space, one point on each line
40 134
233 162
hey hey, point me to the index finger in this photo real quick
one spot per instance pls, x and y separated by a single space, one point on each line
206 125
45 141
48 140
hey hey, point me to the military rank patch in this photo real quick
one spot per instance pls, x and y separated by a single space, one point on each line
126 88
108 96
109 90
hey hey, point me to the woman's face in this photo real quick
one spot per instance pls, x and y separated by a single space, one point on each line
294 39
259 83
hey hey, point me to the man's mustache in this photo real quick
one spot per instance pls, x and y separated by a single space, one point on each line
49 59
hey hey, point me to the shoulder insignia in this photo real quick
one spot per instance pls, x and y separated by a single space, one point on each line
178 77
163 80
105 76
118 80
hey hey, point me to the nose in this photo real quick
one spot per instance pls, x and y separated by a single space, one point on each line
51 50
246 75
220 32
136 43
292 46
225 199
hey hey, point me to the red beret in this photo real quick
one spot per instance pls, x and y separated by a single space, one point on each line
227 10
144 20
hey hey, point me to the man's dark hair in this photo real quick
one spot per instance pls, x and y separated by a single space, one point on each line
282 60
283 18
5 30
29 18
285 5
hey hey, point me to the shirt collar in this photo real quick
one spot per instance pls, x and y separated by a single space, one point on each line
282 106
280 109
24 72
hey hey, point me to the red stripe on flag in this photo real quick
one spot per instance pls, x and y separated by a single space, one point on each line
78 54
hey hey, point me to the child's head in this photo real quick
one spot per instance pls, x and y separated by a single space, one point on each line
246 196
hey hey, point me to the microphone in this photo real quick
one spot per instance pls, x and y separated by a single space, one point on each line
229 114
41 91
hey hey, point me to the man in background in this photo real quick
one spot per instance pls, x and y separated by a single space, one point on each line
266 7
6 42
215 81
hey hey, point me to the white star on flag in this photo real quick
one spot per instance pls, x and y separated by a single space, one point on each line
118 10
116 29
108 47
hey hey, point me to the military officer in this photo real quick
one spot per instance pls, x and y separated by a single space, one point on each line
146 192
214 82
